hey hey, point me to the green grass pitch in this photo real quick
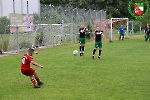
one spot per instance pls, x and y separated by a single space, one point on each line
123 73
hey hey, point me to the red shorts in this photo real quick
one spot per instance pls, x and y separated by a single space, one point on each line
28 71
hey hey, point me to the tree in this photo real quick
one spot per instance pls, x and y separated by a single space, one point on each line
145 19
114 8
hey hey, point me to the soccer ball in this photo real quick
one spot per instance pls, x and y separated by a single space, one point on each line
75 52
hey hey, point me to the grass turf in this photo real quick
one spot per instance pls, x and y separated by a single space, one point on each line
121 74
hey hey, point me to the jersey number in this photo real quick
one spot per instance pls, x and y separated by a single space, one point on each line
23 60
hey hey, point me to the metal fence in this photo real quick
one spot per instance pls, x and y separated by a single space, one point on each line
51 14
135 27
43 36
55 25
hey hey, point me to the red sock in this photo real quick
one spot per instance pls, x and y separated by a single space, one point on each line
33 81
37 79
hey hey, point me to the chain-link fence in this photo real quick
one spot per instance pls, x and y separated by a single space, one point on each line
51 14
135 27
43 35
53 26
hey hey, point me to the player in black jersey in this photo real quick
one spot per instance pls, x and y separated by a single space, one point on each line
147 31
82 31
98 42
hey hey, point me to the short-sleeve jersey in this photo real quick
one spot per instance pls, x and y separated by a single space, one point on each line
26 60
82 35
145 27
147 30
98 35
121 29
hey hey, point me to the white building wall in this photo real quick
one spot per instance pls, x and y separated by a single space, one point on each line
6 7
1 6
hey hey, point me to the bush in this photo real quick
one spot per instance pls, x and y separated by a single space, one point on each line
25 44
89 26
39 39
4 22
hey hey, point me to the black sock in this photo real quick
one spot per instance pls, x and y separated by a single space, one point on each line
94 52
83 48
146 39
80 48
100 52
119 37
122 37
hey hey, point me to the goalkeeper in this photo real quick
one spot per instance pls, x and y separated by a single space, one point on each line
121 32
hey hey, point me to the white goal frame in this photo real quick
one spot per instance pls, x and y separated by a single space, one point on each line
111 26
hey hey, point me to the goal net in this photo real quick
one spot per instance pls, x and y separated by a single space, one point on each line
21 37
115 23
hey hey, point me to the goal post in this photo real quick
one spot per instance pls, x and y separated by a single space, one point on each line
115 23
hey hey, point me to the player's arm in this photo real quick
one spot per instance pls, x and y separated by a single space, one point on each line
85 28
118 29
36 64
102 34
35 52
145 30
81 31
93 36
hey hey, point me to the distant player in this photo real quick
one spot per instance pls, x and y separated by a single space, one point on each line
147 31
82 31
98 42
121 32
26 70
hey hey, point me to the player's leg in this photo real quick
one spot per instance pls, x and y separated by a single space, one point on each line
30 72
122 36
119 37
80 47
82 53
37 78
94 50
94 53
146 37
33 81
100 49
83 43
31 75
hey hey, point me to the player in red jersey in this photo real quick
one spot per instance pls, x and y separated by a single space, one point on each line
26 70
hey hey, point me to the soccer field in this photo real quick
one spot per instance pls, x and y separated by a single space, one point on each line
123 73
